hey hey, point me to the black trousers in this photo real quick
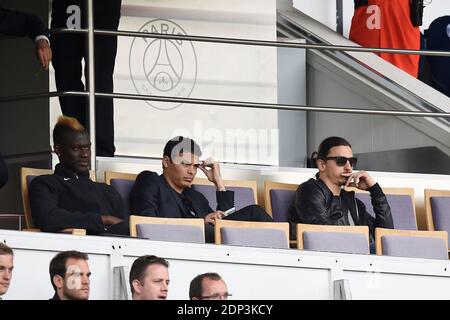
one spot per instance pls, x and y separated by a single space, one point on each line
118 229
68 52
250 213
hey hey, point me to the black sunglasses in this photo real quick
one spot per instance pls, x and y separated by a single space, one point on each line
342 161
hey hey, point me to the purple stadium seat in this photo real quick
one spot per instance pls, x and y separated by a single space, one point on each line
401 207
123 187
254 237
343 242
243 196
440 207
414 247
280 201
171 232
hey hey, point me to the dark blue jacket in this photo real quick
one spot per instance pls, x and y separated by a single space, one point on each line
16 23
152 196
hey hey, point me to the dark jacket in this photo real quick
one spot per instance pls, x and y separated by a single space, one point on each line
16 23
152 196
314 203
67 200
3 172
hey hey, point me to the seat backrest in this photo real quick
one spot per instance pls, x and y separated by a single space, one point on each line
278 197
123 183
411 243
26 176
401 201
437 208
252 234
344 239
244 191
168 229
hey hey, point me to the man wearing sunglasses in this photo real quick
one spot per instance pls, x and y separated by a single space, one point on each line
325 201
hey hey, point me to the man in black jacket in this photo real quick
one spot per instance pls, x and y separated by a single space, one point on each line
170 195
16 23
68 198
324 201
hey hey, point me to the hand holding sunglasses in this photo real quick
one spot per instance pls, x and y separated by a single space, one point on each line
361 180
211 169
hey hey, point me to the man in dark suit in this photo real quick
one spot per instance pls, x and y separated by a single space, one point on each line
170 195
69 51
14 23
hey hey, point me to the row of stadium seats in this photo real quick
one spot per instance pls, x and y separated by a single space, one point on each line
278 197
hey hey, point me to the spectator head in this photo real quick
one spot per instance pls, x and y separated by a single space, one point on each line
72 144
149 278
180 162
6 267
208 286
335 160
69 275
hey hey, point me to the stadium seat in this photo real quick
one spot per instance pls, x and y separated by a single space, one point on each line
411 243
244 191
401 201
122 182
278 197
437 207
326 238
252 234
168 229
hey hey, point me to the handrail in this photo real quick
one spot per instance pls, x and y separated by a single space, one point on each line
263 43
91 77
230 103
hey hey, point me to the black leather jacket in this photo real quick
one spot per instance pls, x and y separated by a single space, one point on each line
314 203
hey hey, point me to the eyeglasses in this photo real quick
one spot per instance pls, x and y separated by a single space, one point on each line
217 296
342 161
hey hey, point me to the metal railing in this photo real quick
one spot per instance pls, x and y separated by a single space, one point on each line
230 103
91 94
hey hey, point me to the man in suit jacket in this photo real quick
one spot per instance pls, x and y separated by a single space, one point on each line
16 23
170 195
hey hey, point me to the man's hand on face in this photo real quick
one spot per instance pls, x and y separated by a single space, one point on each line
213 216
110 220
361 180
211 170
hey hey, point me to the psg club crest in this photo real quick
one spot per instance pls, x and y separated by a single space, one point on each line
163 67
